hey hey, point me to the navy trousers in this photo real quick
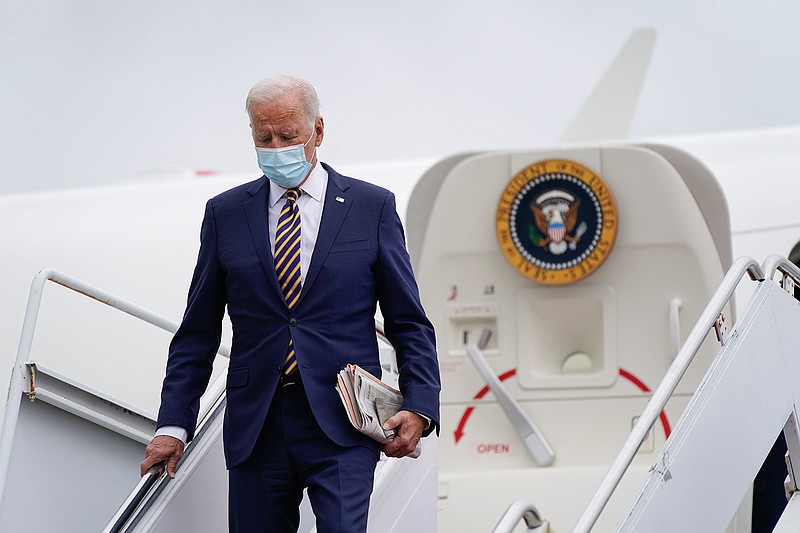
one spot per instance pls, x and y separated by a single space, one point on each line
293 453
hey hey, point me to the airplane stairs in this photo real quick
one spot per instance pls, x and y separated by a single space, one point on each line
69 457
196 500
750 393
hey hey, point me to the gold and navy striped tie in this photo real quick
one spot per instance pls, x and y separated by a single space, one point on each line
287 262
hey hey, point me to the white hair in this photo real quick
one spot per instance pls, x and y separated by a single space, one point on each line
275 87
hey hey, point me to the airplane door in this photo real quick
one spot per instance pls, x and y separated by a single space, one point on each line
581 270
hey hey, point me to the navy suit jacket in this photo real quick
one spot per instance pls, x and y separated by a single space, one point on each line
359 260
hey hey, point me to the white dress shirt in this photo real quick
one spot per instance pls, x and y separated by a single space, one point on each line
310 204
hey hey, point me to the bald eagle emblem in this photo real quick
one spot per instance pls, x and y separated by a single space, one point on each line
556 216
556 221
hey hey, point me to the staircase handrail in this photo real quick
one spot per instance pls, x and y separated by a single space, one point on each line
662 394
26 342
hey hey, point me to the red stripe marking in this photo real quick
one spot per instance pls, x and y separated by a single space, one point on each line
459 432
644 388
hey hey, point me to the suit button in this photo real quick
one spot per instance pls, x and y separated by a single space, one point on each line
278 369
293 321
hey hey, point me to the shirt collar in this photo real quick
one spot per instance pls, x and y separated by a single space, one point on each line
313 186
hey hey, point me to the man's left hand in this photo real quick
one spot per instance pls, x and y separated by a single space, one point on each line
409 427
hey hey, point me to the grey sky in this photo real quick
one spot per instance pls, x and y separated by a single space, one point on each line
93 92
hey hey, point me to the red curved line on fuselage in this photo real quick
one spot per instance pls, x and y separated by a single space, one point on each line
622 372
644 388
502 377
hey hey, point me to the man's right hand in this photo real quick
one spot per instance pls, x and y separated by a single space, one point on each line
162 448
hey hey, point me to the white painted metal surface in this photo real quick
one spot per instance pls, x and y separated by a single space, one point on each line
72 434
790 519
527 430
197 499
44 385
623 319
750 394
520 511
608 112
67 474
662 394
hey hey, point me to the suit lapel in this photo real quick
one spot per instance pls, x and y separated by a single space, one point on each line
258 220
337 204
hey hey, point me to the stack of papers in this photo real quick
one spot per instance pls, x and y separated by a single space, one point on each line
369 402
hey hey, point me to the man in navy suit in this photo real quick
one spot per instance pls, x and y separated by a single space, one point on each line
296 325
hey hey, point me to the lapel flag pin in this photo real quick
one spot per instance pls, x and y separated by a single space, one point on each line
340 199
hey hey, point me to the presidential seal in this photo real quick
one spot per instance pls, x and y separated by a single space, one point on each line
556 221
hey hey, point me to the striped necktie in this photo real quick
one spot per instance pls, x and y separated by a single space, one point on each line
287 262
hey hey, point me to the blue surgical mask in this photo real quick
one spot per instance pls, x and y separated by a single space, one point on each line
286 167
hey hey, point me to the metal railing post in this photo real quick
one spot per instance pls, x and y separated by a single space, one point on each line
519 510
665 389
778 263
14 397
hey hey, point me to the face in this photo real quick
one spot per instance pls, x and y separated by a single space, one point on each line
283 123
